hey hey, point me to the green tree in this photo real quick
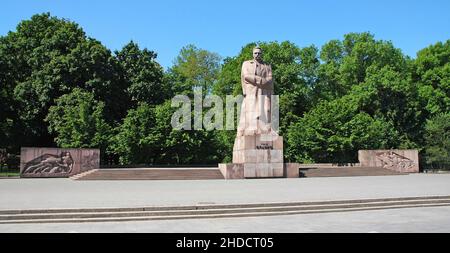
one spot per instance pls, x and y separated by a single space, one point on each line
345 63
365 98
391 95
136 140
45 58
194 67
431 71
329 85
334 131
185 147
8 118
381 112
142 74
147 137
437 139
354 93
78 121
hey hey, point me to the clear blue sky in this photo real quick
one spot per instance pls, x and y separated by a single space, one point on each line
225 26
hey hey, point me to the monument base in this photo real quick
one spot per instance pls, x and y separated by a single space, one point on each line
255 170
257 156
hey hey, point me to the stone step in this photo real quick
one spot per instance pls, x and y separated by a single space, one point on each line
224 206
212 173
214 211
152 174
347 172
217 211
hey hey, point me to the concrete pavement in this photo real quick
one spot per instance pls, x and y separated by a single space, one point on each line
66 193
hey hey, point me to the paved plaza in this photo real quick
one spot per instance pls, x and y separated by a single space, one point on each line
20 194
67 193
412 220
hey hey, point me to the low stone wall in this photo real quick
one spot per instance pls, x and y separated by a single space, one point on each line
327 165
406 161
57 162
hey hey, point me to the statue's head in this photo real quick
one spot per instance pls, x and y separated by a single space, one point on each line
257 53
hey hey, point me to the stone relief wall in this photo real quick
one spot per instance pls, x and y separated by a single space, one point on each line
406 161
56 162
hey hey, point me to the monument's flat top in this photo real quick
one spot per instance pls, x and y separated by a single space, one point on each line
67 193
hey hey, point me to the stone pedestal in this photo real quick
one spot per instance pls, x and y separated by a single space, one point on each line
261 155
237 170
258 156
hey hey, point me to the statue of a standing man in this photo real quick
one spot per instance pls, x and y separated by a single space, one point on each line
257 87
258 149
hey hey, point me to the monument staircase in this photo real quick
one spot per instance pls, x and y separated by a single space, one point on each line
308 171
152 174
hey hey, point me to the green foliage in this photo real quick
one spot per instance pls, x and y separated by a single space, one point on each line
437 148
294 72
147 137
142 74
184 147
355 93
48 57
334 132
136 139
78 121
346 63
431 70
292 67
194 67
393 97
7 104
229 79
366 99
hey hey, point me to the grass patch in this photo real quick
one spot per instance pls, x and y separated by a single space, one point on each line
9 173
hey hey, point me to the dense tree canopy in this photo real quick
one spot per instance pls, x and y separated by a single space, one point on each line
335 130
79 121
142 75
147 137
59 87
194 67
437 140
431 71
48 57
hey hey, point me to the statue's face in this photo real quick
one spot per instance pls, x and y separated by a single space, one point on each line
257 54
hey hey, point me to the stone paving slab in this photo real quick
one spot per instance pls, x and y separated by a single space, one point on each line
67 193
